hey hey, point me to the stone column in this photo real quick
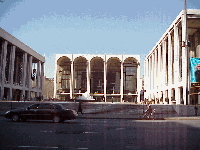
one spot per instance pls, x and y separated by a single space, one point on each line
169 67
164 72
29 76
5 44
1 63
38 78
121 85
11 69
55 78
184 61
24 73
88 76
105 80
138 80
153 73
71 79
176 64
159 71
149 77
156 76
42 78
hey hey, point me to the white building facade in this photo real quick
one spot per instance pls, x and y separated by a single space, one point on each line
22 69
106 77
167 66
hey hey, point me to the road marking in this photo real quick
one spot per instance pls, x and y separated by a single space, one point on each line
90 132
47 131
47 147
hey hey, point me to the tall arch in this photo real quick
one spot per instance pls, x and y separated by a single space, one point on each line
113 75
130 75
97 75
80 75
63 77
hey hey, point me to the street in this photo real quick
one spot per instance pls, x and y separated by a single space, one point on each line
100 134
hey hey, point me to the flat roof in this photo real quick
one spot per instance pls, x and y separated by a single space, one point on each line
11 39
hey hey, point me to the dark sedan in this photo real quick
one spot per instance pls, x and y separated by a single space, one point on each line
42 111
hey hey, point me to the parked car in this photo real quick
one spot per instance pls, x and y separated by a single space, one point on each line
42 111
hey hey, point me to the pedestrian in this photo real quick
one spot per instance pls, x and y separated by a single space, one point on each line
79 108
149 109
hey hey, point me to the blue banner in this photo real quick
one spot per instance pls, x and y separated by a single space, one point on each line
195 69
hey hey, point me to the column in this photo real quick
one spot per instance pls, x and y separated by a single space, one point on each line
71 79
159 71
105 81
164 71
5 44
145 76
153 73
12 60
55 78
38 78
138 80
11 69
29 76
176 64
184 60
121 87
24 73
155 76
169 66
42 78
1 54
149 77
88 76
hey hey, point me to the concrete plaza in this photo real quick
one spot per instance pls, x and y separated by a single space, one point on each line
101 110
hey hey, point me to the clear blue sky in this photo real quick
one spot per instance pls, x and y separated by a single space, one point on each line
89 26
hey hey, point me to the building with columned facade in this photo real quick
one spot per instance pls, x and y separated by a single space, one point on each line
105 77
167 70
22 69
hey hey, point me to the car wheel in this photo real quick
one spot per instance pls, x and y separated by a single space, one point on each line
15 118
56 119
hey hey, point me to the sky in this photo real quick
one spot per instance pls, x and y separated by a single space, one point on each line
89 26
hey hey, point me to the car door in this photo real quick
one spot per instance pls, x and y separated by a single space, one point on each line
31 112
45 111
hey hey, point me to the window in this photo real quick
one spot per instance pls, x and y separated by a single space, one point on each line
46 106
34 106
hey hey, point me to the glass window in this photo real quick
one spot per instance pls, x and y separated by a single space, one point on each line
34 106
58 106
46 106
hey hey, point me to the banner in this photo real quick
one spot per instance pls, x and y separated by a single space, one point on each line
195 69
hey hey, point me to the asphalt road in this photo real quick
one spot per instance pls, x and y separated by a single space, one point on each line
100 134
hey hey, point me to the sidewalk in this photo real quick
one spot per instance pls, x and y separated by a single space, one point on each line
116 115
115 110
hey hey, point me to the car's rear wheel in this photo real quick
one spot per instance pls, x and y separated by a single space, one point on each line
15 118
56 119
